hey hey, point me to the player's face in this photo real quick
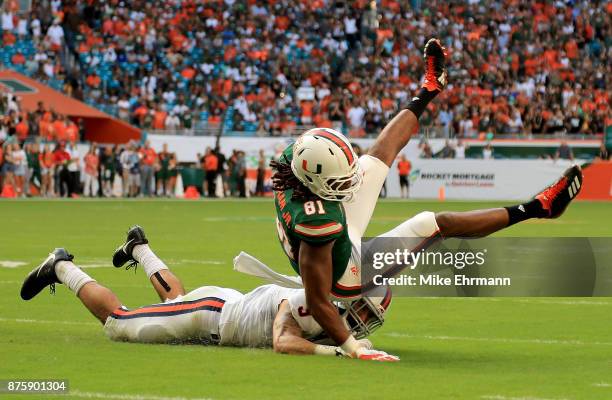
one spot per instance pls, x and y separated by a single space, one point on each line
363 312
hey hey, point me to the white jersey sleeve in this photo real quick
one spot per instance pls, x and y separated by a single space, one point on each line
299 311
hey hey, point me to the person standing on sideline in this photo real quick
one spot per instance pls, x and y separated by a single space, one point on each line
163 159
147 162
241 173
20 162
73 170
403 167
92 161
211 166
108 171
127 161
261 174
46 170
221 171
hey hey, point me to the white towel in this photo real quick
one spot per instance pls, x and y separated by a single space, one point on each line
247 264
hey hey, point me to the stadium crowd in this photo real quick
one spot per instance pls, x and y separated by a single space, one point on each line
268 66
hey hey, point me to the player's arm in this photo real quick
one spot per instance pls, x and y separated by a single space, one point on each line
316 269
287 336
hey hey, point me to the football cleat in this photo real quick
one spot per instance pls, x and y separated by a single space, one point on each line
435 66
123 254
556 197
44 275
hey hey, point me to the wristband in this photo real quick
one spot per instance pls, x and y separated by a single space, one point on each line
323 350
350 346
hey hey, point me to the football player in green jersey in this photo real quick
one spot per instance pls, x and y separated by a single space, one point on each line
325 197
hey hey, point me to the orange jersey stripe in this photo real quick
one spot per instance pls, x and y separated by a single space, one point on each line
170 307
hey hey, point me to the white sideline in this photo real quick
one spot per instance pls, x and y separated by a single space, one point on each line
501 397
498 340
125 396
602 384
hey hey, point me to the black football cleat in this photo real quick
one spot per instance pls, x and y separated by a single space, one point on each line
123 254
435 66
557 196
44 275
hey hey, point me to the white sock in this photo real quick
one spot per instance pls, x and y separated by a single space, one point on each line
72 276
150 262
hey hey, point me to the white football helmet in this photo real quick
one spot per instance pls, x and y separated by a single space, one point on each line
324 161
362 317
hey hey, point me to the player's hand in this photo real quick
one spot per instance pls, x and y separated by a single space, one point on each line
375 355
365 343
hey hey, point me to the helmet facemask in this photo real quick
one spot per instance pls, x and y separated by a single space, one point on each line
353 315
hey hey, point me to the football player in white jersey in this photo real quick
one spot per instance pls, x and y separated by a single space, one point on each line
268 316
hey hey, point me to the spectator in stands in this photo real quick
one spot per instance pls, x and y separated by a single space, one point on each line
148 159
92 162
564 151
55 35
403 168
172 122
211 166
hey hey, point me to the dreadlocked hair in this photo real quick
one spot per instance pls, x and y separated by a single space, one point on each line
284 179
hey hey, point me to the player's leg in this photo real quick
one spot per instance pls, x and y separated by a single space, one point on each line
375 165
398 131
136 250
59 268
191 318
550 203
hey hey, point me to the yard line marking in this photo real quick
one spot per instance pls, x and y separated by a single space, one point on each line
41 321
501 397
602 384
11 263
499 340
125 396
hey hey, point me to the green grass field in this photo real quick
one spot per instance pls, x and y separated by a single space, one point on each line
451 348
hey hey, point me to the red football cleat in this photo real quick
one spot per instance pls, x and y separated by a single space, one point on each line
557 196
435 66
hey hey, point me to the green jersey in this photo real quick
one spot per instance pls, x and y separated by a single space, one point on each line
313 221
